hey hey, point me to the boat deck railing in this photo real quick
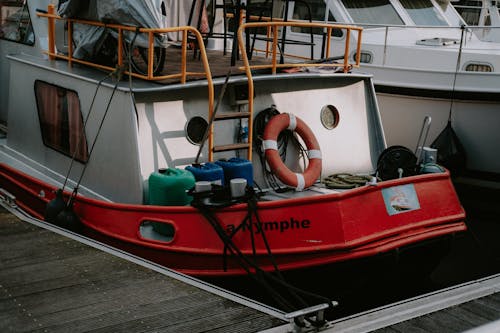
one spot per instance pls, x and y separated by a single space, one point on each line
273 41
456 39
186 31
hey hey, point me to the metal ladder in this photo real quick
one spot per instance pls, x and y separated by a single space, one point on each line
212 147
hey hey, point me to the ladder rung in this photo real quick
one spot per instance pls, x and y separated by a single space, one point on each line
234 146
231 115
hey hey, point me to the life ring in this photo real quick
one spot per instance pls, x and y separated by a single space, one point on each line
273 128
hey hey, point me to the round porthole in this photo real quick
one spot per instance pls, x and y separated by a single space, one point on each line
195 129
330 116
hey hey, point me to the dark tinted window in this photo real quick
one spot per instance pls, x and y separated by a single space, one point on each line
61 121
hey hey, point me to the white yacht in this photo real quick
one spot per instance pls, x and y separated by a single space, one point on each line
426 62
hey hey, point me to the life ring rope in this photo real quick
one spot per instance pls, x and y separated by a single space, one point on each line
270 146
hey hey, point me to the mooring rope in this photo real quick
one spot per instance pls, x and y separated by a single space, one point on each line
295 298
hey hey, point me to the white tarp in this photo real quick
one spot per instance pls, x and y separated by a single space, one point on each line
89 39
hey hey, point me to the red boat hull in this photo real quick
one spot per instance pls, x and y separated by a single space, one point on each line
303 232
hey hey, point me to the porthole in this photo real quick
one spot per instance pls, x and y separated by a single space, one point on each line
478 67
365 57
195 130
330 117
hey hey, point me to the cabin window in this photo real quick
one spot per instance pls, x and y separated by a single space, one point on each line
423 12
365 57
478 67
471 12
313 10
15 24
377 12
61 120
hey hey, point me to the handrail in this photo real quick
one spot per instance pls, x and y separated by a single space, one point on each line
274 25
52 17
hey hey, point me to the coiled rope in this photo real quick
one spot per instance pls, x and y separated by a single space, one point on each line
346 180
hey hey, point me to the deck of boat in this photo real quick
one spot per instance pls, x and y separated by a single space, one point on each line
51 283
219 62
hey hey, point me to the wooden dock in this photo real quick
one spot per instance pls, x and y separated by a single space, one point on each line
51 283
472 307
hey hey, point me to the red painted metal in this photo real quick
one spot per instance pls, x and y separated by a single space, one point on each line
302 232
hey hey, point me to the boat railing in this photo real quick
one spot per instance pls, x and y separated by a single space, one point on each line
273 44
189 34
456 38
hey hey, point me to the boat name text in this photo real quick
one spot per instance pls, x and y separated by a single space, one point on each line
280 226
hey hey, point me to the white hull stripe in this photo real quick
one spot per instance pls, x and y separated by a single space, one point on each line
314 153
301 183
269 144
292 125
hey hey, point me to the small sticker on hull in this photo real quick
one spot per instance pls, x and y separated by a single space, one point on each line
400 199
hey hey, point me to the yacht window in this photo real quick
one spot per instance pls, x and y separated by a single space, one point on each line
478 67
470 11
61 121
15 24
423 12
372 12
313 10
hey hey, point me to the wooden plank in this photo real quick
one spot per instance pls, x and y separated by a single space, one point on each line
454 309
457 318
52 283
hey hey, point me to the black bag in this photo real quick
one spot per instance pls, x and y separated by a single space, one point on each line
451 152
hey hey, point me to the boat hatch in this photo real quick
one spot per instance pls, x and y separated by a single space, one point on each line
437 41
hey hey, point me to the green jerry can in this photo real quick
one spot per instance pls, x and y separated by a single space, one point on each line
168 187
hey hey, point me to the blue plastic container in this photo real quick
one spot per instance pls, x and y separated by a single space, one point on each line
168 187
237 168
210 172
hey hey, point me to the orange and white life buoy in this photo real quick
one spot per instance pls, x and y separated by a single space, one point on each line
273 128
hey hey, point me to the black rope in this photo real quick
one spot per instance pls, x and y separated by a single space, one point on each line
250 267
82 134
75 190
265 279
457 68
129 56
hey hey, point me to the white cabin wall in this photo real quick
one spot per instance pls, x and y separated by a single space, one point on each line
113 168
345 148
